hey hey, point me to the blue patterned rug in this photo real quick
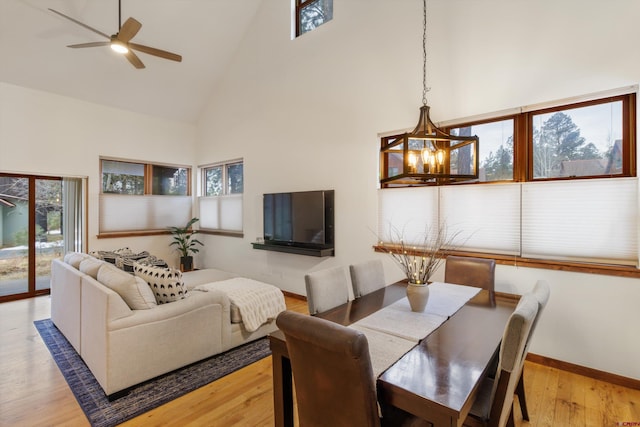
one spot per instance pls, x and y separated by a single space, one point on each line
151 394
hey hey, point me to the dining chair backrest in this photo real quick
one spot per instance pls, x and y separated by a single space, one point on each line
541 291
366 277
332 372
512 348
326 289
470 271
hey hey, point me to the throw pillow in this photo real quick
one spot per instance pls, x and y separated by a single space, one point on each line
166 283
153 261
134 291
125 261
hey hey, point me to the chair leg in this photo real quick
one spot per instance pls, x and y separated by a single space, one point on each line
510 421
521 397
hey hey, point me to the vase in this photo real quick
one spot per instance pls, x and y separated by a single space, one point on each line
418 295
186 263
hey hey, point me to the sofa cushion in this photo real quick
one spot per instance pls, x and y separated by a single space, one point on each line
133 290
90 266
166 283
75 258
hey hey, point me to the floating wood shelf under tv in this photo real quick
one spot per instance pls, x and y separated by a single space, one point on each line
293 249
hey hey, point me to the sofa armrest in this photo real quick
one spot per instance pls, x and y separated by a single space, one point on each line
65 300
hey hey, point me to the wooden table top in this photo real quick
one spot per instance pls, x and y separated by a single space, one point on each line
436 380
441 374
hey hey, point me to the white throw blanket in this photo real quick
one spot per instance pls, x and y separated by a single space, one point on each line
258 302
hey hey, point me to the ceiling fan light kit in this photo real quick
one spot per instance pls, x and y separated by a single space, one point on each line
119 47
121 41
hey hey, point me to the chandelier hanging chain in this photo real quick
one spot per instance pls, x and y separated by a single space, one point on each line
425 89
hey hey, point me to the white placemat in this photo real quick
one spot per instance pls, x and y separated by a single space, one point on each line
384 349
446 298
398 319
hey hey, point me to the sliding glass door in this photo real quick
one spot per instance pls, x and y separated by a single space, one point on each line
31 233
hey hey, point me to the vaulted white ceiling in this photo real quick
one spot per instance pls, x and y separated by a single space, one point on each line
206 33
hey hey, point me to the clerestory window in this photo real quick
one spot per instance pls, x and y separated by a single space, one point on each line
310 14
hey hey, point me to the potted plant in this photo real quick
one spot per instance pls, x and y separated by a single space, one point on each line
186 244
418 263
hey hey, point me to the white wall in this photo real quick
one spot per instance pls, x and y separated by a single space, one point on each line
305 115
42 133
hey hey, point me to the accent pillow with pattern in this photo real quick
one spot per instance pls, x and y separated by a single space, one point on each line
166 283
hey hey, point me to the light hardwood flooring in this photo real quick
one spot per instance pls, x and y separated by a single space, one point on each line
34 393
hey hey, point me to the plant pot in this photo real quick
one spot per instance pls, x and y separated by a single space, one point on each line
186 263
418 295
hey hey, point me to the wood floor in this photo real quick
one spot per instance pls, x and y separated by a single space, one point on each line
34 393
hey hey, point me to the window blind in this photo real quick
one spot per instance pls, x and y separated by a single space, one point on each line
221 212
487 217
74 217
140 213
406 213
591 220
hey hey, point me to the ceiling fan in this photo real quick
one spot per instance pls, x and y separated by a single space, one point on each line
121 41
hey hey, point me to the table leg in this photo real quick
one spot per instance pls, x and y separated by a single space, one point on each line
282 390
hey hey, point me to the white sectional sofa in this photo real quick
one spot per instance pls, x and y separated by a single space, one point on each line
124 346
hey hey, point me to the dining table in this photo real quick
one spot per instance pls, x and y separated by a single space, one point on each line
437 376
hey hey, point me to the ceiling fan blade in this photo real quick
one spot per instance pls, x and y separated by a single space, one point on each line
92 44
156 52
128 30
80 23
133 58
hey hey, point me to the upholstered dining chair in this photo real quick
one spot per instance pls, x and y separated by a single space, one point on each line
326 289
366 277
470 271
332 374
493 406
541 292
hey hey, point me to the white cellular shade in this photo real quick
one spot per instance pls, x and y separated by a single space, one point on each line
140 213
221 212
407 211
587 220
486 217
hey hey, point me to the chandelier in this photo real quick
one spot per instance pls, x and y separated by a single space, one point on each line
428 155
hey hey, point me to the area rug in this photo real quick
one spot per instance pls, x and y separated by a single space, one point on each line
102 413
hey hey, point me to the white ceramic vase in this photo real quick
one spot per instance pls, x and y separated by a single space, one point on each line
418 295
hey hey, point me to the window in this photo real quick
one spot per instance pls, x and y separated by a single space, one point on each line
142 189
41 218
221 202
586 139
124 177
310 14
496 148
563 189
216 176
576 142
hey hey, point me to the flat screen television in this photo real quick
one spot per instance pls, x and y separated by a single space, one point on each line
303 219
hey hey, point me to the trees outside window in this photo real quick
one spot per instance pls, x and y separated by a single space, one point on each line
310 14
137 178
587 139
